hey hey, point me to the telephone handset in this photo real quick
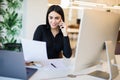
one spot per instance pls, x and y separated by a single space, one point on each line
61 24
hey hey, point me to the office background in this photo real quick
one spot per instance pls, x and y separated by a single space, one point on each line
34 9
34 14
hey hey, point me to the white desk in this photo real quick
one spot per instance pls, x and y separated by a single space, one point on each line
51 73
83 77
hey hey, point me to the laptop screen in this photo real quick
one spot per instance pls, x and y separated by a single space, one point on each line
12 64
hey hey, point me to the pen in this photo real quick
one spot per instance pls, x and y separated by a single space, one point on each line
53 65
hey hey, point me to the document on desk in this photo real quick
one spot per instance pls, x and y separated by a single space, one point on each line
34 50
56 64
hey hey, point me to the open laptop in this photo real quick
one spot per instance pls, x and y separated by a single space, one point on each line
12 64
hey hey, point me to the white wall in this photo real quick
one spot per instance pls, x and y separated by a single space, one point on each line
34 14
108 2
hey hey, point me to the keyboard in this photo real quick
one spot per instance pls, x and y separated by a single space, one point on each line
30 71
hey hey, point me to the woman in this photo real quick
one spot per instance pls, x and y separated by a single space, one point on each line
54 33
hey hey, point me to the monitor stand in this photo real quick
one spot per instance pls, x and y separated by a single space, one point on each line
112 70
111 61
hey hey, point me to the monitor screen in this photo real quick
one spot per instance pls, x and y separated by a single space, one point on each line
97 26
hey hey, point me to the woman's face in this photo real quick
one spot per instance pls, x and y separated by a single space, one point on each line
54 19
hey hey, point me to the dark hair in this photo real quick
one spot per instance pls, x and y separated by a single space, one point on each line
57 9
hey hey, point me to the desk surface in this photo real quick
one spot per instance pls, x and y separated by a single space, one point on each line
61 72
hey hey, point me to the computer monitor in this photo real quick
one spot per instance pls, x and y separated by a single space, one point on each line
97 26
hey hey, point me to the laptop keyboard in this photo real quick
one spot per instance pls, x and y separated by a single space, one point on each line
30 71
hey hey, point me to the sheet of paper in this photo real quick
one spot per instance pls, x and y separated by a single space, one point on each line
34 50
55 64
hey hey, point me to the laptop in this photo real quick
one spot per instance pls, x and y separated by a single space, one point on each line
12 64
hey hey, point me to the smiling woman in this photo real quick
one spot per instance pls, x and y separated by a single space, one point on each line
54 33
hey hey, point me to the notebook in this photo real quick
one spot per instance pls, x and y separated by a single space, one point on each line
12 64
34 50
